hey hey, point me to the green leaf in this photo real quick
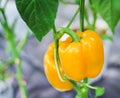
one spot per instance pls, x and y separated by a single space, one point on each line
14 24
39 15
22 42
1 9
99 91
86 16
106 37
78 96
109 10
77 2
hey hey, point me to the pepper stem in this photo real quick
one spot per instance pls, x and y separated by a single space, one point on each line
82 3
69 32
72 19
56 56
57 36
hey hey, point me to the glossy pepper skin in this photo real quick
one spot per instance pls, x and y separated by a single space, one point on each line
82 59
51 72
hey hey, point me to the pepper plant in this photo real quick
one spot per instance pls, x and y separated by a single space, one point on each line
40 17
13 51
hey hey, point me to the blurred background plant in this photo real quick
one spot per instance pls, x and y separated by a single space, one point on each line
3 72
13 50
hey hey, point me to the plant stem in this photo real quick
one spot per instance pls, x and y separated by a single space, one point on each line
56 56
94 19
82 3
19 77
86 16
86 80
92 87
56 36
85 93
22 43
94 15
75 86
17 61
72 19
3 14
57 60
10 36
54 31
69 32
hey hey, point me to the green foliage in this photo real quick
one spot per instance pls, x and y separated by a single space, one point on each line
38 14
78 96
22 43
99 91
109 10
106 37
3 74
14 51
77 1
67 2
